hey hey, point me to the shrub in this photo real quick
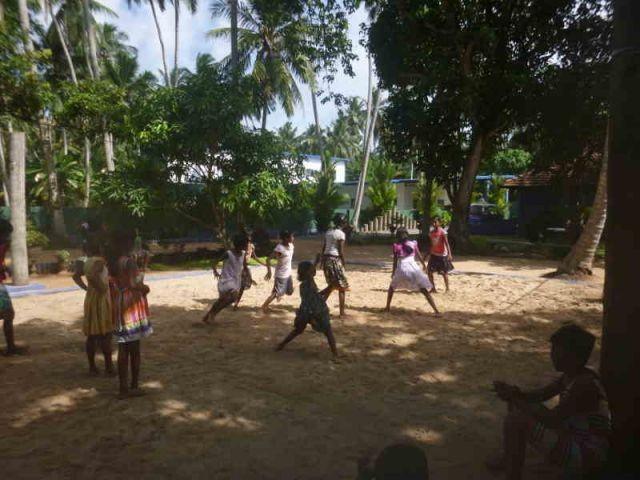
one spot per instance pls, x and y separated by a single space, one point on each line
36 238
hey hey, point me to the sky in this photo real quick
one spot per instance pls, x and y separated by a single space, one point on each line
137 23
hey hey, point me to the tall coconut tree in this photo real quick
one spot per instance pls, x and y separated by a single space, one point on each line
192 6
161 5
17 165
270 48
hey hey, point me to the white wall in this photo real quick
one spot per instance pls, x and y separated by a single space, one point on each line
315 165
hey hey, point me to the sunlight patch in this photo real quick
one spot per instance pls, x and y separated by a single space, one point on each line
53 404
423 435
438 376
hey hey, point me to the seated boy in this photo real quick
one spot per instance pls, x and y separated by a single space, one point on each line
575 434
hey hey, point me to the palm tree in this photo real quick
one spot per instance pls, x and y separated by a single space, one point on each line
271 45
19 253
288 135
192 6
161 5
580 258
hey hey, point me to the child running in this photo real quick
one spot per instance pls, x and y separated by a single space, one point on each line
439 255
333 261
247 279
283 283
98 321
230 280
313 309
575 433
7 314
406 272
130 311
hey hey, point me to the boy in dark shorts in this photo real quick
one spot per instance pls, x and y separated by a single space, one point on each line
575 434
313 309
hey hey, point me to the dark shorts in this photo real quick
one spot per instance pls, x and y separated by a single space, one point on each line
5 300
319 322
283 286
247 280
439 264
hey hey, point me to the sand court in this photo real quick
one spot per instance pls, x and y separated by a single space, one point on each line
222 404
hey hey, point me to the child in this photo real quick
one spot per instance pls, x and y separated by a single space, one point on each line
439 255
574 434
230 281
313 309
406 272
7 314
130 311
98 320
247 281
396 462
333 261
283 283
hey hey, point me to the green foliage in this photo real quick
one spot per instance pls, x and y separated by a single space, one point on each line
323 195
498 197
509 161
381 192
70 175
35 238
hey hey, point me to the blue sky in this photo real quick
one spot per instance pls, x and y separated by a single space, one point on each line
138 23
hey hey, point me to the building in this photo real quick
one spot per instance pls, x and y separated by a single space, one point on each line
313 164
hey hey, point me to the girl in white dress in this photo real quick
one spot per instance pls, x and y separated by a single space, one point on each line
230 279
407 274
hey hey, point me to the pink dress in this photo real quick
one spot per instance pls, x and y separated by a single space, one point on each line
408 274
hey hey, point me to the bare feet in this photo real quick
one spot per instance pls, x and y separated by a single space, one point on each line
94 372
496 463
134 392
110 373
433 290
280 347
265 309
206 319
387 309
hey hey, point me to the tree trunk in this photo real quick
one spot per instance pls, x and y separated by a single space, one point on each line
19 253
233 4
87 172
107 141
264 119
64 44
459 229
316 119
365 164
165 69
620 361
367 119
580 258
426 204
4 172
90 32
176 5
1 12
55 205
25 25
65 142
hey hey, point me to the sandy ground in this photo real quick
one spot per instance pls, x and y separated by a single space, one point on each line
224 405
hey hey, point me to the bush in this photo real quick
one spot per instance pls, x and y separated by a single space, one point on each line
36 238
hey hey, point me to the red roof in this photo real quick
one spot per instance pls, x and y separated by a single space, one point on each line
530 179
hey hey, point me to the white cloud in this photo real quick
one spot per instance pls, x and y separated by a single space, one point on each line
137 22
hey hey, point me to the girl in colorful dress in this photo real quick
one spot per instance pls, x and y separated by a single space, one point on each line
406 273
230 280
130 311
313 309
247 279
98 318
439 255
7 314
283 283
333 261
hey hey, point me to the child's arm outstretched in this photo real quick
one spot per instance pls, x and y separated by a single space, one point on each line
273 255
216 261
509 392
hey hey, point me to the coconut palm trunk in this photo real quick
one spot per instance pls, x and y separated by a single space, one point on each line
580 258
165 69
25 25
87 172
90 34
4 172
17 165
49 164
367 119
233 7
365 163
620 360
264 119
316 118
176 7
63 42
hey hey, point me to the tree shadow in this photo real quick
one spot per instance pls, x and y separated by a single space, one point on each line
223 404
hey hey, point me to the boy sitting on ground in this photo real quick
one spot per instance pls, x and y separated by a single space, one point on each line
575 434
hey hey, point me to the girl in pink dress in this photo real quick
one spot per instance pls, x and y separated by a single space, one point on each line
407 274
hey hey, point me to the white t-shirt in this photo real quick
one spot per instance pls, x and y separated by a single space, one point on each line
283 268
331 240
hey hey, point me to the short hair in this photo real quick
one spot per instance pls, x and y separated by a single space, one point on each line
402 462
402 232
436 217
240 241
304 268
339 220
285 234
575 339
